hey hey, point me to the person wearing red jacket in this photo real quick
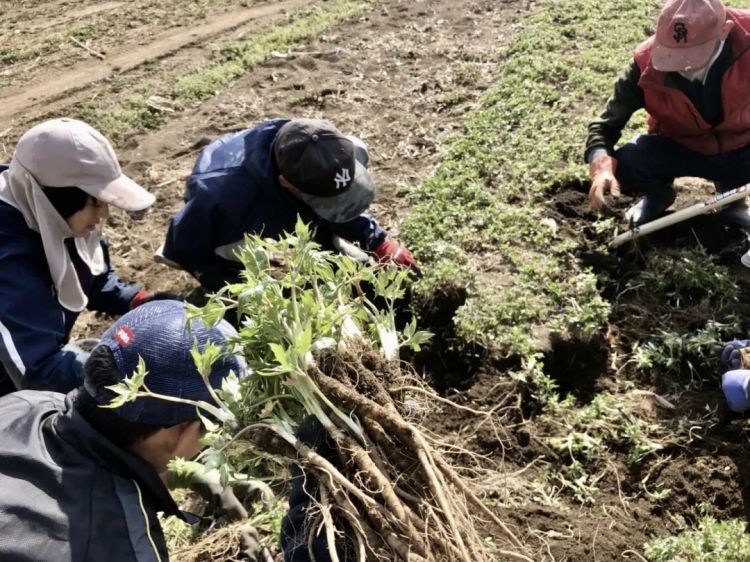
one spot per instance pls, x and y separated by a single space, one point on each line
693 79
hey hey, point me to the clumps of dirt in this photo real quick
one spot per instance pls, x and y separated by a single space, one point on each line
604 533
703 478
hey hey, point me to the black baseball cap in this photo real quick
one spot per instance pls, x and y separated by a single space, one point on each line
317 159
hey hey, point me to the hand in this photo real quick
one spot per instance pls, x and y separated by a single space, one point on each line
603 181
142 297
388 250
251 547
730 356
221 498
734 384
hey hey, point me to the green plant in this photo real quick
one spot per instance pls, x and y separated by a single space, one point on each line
318 346
585 436
670 350
578 482
712 541
466 74
541 386
524 141
687 275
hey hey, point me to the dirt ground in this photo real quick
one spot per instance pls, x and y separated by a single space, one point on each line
391 78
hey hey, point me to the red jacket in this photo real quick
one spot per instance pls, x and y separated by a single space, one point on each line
672 114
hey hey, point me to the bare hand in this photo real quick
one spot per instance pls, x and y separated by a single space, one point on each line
601 185
603 181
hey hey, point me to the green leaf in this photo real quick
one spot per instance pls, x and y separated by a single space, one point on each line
280 355
230 387
127 390
304 341
204 360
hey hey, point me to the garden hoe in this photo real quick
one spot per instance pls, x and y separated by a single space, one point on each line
709 205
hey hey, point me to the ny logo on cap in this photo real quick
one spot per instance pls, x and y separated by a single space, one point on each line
680 33
342 178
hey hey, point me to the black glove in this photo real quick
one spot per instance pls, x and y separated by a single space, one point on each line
729 354
222 501
251 547
221 498
142 297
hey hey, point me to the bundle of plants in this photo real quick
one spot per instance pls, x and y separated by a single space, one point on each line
318 332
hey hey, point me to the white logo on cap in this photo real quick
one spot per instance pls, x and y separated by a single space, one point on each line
342 179
124 336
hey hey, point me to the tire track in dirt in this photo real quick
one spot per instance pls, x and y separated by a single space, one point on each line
49 23
43 91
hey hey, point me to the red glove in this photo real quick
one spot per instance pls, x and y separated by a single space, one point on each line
142 297
602 170
388 250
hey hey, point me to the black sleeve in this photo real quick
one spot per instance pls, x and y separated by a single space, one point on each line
605 130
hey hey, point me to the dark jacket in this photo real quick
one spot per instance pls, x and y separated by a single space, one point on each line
702 106
69 494
234 191
33 324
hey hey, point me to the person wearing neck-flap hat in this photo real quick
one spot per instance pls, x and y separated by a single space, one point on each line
259 181
693 79
54 198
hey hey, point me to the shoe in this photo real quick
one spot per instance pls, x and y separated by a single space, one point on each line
736 213
633 214
652 206
645 211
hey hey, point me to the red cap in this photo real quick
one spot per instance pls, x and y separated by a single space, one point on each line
687 32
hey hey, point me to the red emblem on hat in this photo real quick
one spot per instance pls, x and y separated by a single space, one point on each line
124 336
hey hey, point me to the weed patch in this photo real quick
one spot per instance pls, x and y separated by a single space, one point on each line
488 195
724 541
241 57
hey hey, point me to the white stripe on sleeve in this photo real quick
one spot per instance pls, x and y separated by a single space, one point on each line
10 347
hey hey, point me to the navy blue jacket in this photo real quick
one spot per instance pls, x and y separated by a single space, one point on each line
234 191
33 324
70 494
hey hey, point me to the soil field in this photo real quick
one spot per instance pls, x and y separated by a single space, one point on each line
403 75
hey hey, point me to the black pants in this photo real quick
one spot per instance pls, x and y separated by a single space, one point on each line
295 528
649 164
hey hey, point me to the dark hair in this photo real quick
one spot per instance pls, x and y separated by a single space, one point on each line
100 372
66 200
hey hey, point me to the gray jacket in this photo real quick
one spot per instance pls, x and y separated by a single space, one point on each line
69 494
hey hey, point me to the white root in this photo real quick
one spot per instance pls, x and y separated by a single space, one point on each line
325 510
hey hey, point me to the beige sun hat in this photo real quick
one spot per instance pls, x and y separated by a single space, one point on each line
69 153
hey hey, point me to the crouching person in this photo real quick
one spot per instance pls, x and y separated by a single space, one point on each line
735 382
260 181
81 482
54 200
